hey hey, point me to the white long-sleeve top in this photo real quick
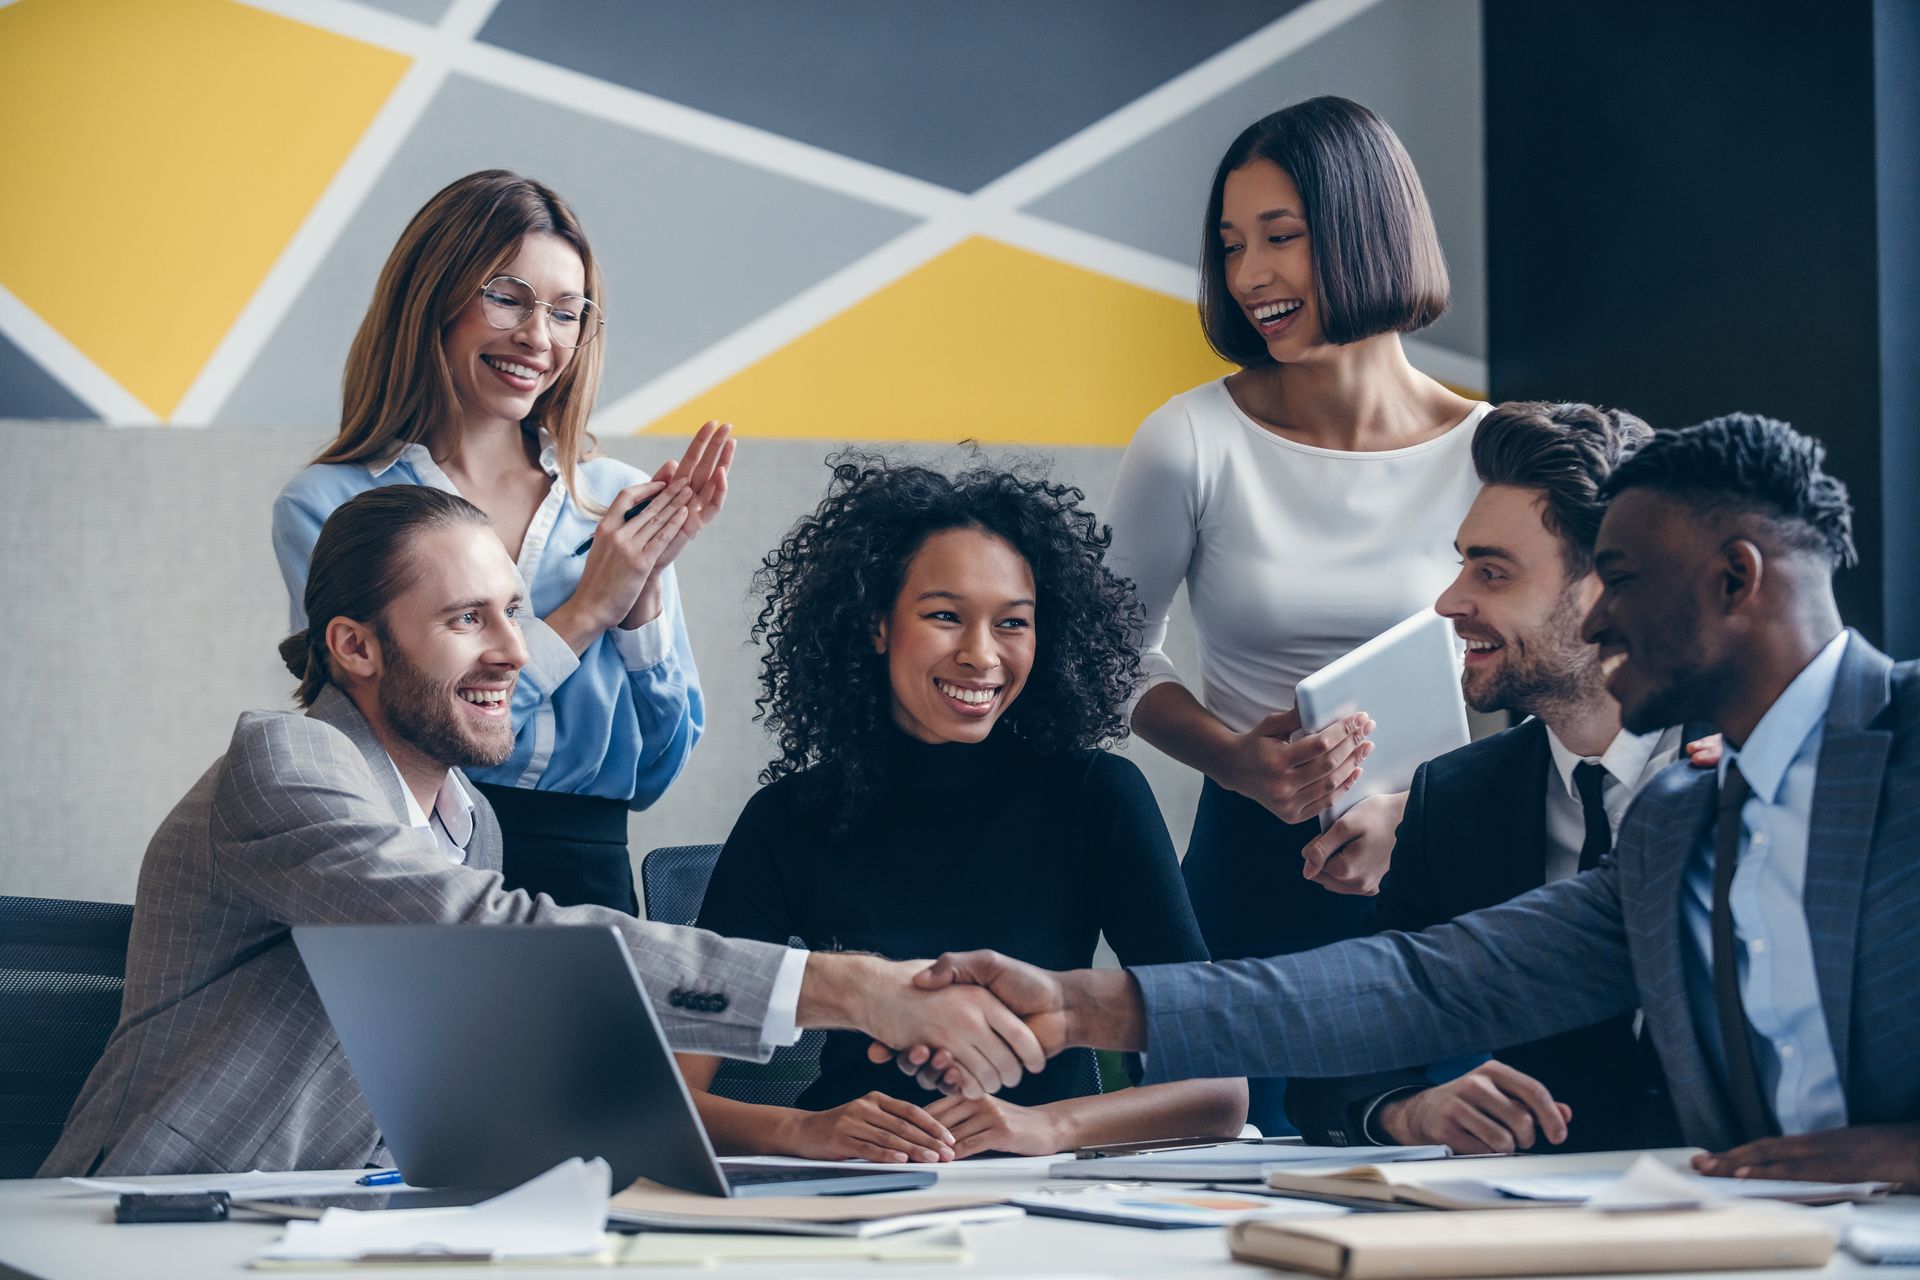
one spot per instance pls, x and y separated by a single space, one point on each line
1292 554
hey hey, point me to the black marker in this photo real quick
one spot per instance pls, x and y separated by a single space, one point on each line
632 511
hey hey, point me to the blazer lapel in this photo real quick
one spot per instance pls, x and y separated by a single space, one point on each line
336 708
1526 835
1846 800
1661 962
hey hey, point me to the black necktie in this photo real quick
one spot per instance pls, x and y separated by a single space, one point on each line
1750 1108
1588 777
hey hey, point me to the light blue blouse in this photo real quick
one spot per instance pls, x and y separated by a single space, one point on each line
620 720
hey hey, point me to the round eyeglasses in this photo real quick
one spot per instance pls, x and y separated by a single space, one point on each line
572 321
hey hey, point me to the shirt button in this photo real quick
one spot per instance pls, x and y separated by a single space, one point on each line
1758 946
1786 1051
1759 837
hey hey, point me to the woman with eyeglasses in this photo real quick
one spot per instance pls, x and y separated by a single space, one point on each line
475 371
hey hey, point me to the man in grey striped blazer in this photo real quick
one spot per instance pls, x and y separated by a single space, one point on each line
1766 917
357 812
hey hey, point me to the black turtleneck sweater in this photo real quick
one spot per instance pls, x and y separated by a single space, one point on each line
961 846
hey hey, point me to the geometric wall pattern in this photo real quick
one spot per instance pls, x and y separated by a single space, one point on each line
845 219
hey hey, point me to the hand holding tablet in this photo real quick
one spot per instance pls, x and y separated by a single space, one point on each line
1411 670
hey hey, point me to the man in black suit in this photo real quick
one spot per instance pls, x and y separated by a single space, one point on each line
1511 812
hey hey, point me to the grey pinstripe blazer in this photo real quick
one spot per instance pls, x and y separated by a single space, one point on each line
1584 949
223 1058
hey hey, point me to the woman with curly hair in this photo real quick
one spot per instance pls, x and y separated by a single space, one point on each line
945 659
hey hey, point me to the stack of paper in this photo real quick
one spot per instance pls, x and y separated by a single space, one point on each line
1540 1182
559 1216
1229 1162
1161 1208
648 1204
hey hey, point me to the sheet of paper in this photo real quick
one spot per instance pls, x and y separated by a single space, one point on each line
1887 1232
1649 1184
1263 1153
251 1185
560 1214
1176 1205
994 1165
711 1249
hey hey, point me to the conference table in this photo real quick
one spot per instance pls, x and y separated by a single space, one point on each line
51 1230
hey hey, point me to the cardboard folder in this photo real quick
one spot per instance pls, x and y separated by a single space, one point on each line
1415 1246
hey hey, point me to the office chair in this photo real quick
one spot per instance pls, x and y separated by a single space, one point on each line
62 968
673 882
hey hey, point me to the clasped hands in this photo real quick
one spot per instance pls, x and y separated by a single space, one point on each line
1051 1012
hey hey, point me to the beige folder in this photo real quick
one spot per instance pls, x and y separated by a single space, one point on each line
1414 1246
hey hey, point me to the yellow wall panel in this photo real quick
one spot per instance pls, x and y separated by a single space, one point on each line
158 156
985 342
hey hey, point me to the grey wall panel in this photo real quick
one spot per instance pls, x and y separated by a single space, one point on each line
428 11
682 272
28 391
145 615
1415 62
953 93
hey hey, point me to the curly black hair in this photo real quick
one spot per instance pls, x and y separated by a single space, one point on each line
825 693
1741 463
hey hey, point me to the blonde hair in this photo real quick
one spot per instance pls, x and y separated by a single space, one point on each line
397 388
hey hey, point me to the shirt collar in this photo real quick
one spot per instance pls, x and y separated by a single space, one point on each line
1797 712
1625 758
452 805
429 471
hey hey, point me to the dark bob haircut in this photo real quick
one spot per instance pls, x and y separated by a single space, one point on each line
1746 465
826 694
360 563
1377 265
1566 451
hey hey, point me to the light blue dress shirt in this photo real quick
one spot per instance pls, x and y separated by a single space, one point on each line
617 722
1778 984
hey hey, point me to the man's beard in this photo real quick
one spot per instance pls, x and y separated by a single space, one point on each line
1551 669
421 711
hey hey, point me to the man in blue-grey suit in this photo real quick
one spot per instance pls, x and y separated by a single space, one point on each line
1765 916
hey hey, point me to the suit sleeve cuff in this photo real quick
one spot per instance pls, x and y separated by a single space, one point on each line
1368 1131
550 660
783 1002
647 645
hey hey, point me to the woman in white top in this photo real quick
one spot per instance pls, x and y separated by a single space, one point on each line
1309 501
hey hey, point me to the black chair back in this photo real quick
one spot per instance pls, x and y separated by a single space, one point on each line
62 969
673 883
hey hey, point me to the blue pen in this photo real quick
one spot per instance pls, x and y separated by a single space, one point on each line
381 1178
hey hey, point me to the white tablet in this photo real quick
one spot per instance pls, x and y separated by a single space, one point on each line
1408 679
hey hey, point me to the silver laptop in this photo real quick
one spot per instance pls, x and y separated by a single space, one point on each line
490 1053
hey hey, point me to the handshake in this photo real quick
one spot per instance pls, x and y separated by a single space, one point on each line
971 1022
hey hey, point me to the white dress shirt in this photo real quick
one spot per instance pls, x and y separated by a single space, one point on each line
1778 986
1630 761
450 826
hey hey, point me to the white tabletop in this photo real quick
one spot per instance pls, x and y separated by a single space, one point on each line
50 1230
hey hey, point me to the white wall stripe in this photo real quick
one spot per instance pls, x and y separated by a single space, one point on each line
744 143
433 50
71 367
994 210
1149 113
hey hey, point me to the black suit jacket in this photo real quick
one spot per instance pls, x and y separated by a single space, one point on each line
1475 835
